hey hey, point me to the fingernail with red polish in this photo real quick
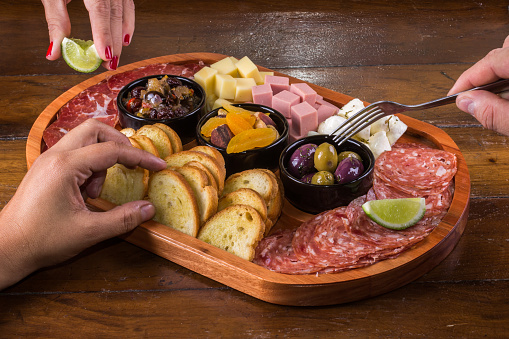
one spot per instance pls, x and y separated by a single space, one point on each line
50 49
107 52
127 39
114 63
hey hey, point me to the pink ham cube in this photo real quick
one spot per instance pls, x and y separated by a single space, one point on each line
283 101
304 119
323 102
325 111
277 83
262 95
305 92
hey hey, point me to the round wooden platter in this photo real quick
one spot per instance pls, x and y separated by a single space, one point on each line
299 290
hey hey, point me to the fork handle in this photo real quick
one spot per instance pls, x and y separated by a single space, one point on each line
496 87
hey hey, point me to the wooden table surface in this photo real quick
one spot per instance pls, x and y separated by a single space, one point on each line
405 51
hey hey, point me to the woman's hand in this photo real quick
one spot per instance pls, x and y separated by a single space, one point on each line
47 221
490 109
112 24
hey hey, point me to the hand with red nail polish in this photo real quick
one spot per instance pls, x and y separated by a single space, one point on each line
490 109
109 35
47 220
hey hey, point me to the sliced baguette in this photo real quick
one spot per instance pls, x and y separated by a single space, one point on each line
275 206
176 142
174 201
206 195
182 158
146 144
123 185
255 179
159 138
244 196
128 132
213 153
199 165
237 229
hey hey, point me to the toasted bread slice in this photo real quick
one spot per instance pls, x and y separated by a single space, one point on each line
159 138
212 152
275 206
174 201
244 196
199 165
182 158
146 144
237 229
255 179
128 132
134 143
176 142
123 185
206 195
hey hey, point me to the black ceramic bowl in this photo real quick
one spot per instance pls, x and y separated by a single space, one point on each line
264 157
184 126
315 199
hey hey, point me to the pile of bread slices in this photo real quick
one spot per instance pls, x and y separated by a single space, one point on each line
193 196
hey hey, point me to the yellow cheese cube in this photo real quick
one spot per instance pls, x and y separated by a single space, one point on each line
243 89
226 66
225 86
206 78
209 101
234 59
220 103
247 69
263 74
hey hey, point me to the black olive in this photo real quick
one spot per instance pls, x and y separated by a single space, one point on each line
134 104
136 92
172 82
152 113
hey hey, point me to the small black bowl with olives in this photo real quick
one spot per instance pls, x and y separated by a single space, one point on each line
318 176
173 100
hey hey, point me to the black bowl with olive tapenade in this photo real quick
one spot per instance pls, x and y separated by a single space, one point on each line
173 100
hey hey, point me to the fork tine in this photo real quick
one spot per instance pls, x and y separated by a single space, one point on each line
356 122
354 119
341 138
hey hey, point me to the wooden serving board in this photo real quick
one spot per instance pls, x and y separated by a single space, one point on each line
301 290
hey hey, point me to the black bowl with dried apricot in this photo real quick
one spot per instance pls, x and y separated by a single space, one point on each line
173 100
247 135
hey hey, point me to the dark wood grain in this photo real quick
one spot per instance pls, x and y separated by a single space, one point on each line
406 51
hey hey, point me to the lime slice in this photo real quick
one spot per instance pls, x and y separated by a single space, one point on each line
396 214
80 55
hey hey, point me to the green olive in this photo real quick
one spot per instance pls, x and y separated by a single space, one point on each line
348 154
326 157
323 178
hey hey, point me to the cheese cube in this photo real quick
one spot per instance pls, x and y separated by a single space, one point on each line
209 101
247 69
206 78
243 89
226 66
225 86
263 74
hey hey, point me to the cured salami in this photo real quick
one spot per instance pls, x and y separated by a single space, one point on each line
99 101
416 171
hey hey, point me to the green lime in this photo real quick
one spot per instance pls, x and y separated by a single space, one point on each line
396 214
80 55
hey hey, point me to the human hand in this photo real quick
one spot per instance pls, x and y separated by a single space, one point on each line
112 24
47 221
490 109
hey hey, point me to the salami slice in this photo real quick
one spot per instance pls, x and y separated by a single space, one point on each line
416 171
276 253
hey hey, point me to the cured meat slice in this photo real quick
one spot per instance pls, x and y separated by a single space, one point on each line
435 203
366 231
276 253
409 145
416 171
85 105
325 242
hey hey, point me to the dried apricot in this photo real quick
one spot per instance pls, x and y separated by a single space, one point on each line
250 139
237 123
234 109
211 124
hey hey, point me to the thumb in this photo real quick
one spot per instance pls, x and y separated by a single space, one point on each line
121 219
491 110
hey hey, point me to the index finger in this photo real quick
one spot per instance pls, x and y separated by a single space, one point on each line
89 132
492 67
99 13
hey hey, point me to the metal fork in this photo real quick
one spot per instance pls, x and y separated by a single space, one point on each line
380 109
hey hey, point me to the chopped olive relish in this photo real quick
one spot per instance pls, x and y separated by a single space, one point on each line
163 98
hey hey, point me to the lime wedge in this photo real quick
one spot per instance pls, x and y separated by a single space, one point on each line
396 214
80 55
